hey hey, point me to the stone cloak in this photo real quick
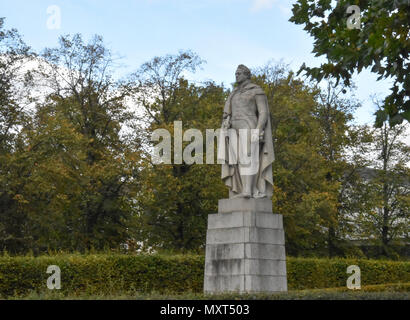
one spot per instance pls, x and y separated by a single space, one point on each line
230 173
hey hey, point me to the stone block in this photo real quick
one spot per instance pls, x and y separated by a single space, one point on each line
224 283
265 267
264 251
261 283
264 235
225 251
225 236
225 267
243 205
245 219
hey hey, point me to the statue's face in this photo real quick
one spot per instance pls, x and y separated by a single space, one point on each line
240 76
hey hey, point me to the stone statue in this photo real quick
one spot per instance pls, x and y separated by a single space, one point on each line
246 219
246 110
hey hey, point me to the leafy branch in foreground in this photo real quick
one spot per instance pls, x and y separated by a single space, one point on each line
382 44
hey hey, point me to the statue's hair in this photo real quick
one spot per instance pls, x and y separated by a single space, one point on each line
245 69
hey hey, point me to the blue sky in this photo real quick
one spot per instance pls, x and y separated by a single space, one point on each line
225 33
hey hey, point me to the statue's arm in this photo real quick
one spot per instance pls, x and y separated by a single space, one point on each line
263 112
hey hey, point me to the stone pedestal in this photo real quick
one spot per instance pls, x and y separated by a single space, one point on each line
245 248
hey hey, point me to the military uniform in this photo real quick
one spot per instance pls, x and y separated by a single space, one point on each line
244 110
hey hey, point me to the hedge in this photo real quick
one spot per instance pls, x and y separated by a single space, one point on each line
108 274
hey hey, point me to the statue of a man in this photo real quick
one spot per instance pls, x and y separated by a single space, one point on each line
247 113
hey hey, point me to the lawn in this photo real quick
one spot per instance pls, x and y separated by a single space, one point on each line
395 291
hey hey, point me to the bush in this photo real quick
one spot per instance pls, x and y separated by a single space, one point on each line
104 274
326 273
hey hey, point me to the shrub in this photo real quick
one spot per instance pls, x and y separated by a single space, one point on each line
109 274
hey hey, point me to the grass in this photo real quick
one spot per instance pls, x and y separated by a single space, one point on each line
395 291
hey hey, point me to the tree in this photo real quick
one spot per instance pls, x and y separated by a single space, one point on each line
334 113
300 188
381 44
313 178
388 189
175 199
84 168
13 115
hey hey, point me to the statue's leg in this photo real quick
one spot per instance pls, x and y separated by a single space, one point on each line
249 168
247 165
248 181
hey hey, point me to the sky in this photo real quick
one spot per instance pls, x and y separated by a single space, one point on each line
225 33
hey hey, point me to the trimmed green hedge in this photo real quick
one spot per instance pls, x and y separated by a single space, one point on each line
108 274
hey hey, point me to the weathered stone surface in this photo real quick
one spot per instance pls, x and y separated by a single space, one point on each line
258 283
245 250
244 283
225 267
266 267
264 235
244 205
225 235
269 220
225 251
264 251
245 235
245 219
224 283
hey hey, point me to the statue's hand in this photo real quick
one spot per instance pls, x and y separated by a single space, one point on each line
226 124
255 137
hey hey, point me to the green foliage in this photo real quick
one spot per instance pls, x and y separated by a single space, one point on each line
13 54
325 273
69 177
174 200
381 44
107 274
76 171
103 274
310 132
387 191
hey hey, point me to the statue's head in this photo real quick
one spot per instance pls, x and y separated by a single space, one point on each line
242 73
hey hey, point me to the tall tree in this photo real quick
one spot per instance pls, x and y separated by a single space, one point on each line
381 43
82 117
312 175
334 113
388 189
176 198
301 192
13 115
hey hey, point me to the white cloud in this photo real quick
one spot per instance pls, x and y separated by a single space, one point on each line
283 5
262 4
286 9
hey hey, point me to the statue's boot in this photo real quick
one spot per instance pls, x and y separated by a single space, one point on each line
247 182
242 195
259 195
